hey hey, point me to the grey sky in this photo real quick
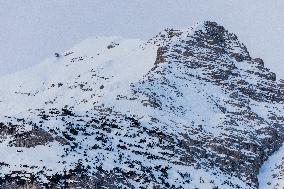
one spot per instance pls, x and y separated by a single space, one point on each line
32 30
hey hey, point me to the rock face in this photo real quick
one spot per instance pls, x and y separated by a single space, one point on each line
186 109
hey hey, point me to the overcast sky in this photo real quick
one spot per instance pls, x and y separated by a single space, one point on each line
32 30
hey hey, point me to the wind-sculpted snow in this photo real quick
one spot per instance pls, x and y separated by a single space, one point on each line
186 109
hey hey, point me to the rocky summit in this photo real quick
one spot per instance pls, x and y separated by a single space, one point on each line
185 109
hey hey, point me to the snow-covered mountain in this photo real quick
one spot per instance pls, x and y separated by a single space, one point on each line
186 109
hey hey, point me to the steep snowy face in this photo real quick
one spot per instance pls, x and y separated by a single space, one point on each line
186 109
208 79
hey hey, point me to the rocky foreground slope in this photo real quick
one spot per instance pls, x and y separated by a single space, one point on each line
186 109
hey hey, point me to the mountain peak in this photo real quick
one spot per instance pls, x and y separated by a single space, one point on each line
205 35
186 109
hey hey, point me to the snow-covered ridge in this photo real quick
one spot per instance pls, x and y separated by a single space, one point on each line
186 109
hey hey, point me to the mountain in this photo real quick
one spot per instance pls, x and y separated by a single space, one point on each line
186 109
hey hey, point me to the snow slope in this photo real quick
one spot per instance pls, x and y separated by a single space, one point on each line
186 109
271 172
